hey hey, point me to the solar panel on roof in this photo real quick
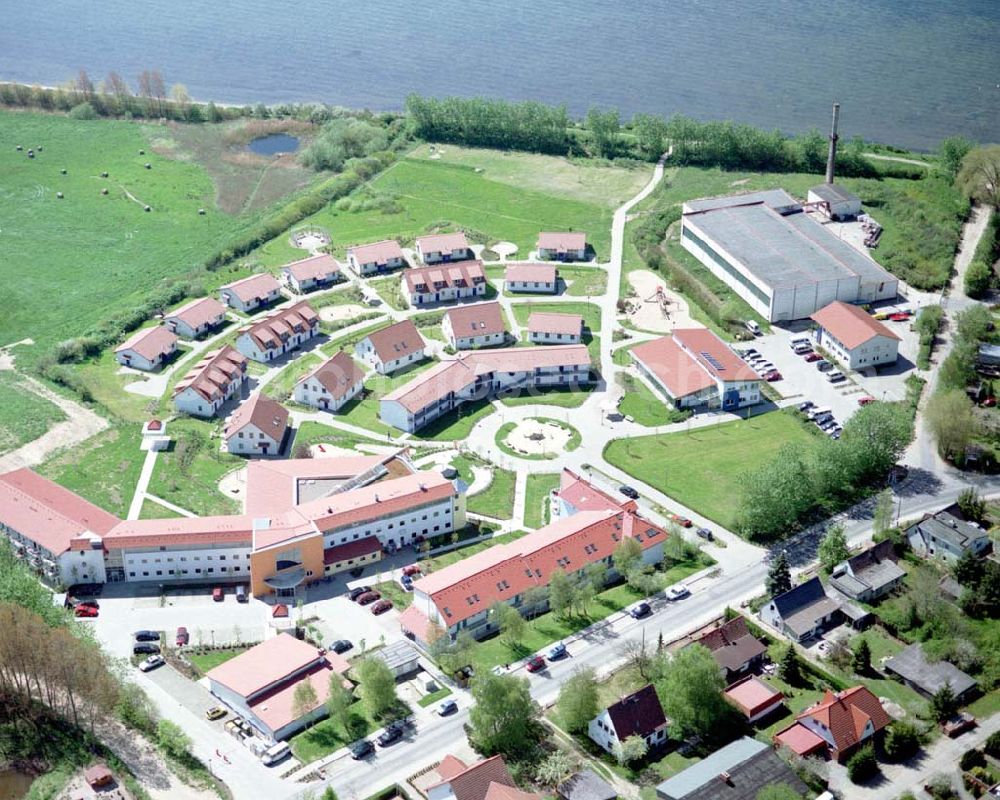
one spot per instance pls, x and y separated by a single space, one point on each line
712 360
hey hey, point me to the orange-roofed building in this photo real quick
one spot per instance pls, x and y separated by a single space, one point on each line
249 294
260 683
754 698
488 779
315 272
473 326
279 333
376 258
841 722
196 318
147 349
257 427
332 384
532 278
444 282
569 246
443 247
854 337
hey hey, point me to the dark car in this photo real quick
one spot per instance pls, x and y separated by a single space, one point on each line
183 637
803 407
772 376
393 733
381 607
146 636
706 534
639 611
628 491
341 646
535 664
355 593
368 597
362 749
823 365
407 582
146 648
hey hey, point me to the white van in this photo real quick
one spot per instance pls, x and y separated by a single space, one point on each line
753 327
275 753
814 413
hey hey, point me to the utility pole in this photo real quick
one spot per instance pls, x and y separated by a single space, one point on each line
831 158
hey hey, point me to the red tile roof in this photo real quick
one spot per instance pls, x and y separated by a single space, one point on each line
638 714
677 371
337 375
256 287
488 779
850 325
453 274
732 644
530 272
845 714
319 267
584 496
450 766
48 514
562 242
442 243
377 252
212 375
234 530
267 415
203 311
352 549
751 695
713 354
479 319
270 332
150 343
800 740
415 621
500 791
543 322
276 708
396 341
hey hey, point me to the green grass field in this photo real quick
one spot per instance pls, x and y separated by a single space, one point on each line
101 252
536 497
645 406
210 659
435 563
556 396
497 500
363 409
280 387
584 281
701 468
590 312
24 415
310 433
153 510
326 736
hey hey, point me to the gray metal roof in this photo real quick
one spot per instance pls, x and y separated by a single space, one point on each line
397 654
777 199
912 665
834 193
951 529
784 250
585 785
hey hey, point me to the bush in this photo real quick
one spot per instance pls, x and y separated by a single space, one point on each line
902 740
992 744
971 758
978 279
83 111
862 766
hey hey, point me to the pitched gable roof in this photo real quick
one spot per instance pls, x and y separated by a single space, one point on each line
846 714
420 280
732 644
637 714
198 312
255 287
337 375
270 332
474 781
213 374
480 319
317 267
530 272
442 242
563 241
150 343
544 322
850 325
267 415
376 252
396 341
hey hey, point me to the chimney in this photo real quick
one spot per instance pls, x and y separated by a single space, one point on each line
726 778
831 157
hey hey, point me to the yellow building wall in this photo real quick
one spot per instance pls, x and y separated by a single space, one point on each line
263 563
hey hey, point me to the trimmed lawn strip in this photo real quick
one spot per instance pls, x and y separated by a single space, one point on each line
434 697
703 468
210 659
455 425
153 510
645 407
310 433
536 497
438 562
590 312
24 415
327 736
281 386
391 590
497 500
561 396
584 281
390 290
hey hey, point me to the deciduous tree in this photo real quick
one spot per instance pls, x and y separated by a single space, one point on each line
627 555
377 686
951 422
560 592
502 718
951 152
833 547
557 767
634 748
510 623
979 177
304 699
339 702
690 691
577 703
885 504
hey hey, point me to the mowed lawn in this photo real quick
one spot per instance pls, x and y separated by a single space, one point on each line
426 194
536 497
98 254
24 415
702 468
590 312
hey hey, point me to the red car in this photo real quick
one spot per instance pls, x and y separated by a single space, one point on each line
813 356
368 597
806 353
217 594
183 637
684 522
381 606
901 316
863 401
772 376
411 569
536 664
85 611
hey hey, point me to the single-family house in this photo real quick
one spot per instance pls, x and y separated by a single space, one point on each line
473 326
392 348
754 699
693 368
555 328
443 283
566 246
257 427
489 779
531 278
375 258
332 384
638 714
735 649
218 376
947 536
869 575
196 318
443 247
315 272
837 725
249 294
738 771
279 333
803 611
854 337
147 349
929 677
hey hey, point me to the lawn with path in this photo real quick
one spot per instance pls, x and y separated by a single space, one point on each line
362 410
645 407
536 497
24 415
497 500
210 659
153 510
312 433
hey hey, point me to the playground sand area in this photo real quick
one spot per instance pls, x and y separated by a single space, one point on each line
647 311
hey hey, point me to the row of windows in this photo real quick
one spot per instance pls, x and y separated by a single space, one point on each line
170 559
177 572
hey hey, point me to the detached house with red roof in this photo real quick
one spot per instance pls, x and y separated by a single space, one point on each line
308 274
332 384
694 368
854 337
554 328
251 293
479 325
220 375
488 779
837 725
279 333
638 714
147 349
444 282
196 318
443 247
392 348
375 258
568 246
531 278
257 427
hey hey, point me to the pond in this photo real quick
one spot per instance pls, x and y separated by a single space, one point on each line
274 144
13 784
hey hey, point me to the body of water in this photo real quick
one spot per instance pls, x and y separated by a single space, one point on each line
274 144
908 72
14 785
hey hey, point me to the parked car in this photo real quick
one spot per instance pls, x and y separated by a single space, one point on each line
145 649
629 491
362 749
823 365
241 594
218 595
151 663
677 519
557 652
341 646
381 607
393 733
749 352
411 570
677 592
368 597
447 707
753 327
764 367
215 712
836 377
85 611
803 407
865 400
958 724
183 637
535 664
798 341
640 610
356 592
813 356
146 636
899 316
772 376
706 534
406 582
